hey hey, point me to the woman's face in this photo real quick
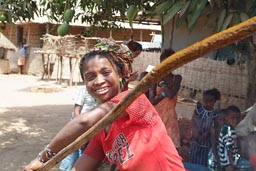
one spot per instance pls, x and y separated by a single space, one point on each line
101 79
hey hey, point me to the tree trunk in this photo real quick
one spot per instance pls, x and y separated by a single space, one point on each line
251 87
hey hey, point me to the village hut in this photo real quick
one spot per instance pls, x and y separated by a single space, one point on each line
5 46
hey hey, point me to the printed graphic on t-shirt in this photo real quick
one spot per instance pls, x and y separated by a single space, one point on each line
120 151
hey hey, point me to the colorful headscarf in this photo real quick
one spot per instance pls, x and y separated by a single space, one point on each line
121 54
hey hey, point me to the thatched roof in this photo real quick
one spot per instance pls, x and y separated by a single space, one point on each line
6 43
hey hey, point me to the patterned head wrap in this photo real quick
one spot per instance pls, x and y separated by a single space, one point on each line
121 54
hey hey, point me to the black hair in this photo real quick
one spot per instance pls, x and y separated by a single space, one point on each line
221 112
233 108
166 53
213 92
87 57
134 46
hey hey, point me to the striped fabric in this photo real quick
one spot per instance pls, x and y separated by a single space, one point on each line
227 141
203 121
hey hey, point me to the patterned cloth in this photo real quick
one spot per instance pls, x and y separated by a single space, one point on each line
121 54
21 61
203 121
227 141
137 141
22 57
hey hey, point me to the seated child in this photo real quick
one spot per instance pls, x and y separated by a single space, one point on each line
227 143
83 102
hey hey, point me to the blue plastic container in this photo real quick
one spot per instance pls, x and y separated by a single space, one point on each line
195 167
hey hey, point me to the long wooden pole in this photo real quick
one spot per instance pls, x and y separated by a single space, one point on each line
221 39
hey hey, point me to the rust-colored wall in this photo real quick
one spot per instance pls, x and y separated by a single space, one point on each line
34 31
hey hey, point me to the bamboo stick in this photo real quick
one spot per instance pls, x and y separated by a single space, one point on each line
218 40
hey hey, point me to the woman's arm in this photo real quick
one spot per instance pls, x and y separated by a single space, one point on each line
87 163
172 90
195 131
214 142
71 131
153 97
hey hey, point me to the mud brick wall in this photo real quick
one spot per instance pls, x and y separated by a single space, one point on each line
34 31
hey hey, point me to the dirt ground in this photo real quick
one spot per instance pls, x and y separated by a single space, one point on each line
29 120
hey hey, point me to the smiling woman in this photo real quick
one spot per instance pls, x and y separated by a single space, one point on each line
101 77
130 140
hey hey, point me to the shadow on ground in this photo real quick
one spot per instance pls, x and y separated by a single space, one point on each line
24 131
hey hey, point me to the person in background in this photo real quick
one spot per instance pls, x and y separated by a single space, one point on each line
248 123
246 132
252 149
134 50
83 102
22 58
227 143
213 159
142 75
130 140
202 121
164 96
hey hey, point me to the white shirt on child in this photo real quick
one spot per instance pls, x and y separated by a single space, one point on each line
84 99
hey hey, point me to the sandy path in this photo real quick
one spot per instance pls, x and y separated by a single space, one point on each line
29 120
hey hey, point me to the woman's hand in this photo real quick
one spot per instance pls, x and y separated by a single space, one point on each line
196 134
33 165
133 76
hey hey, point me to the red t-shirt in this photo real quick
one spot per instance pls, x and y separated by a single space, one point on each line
137 141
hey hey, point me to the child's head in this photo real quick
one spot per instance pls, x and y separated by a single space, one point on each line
135 48
220 119
232 116
101 74
210 97
166 53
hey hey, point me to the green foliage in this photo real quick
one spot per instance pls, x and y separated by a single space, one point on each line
131 13
221 19
170 13
17 10
227 21
162 8
197 12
